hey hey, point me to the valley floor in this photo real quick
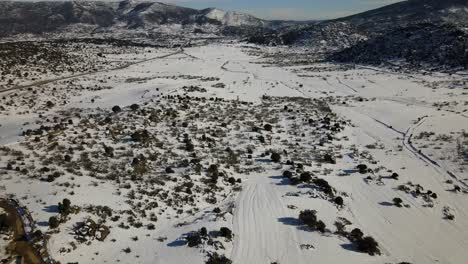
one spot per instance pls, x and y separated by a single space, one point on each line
412 124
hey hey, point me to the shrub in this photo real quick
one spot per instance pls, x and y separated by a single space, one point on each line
203 232
232 180
305 176
169 170
193 239
329 159
116 109
64 207
323 186
140 135
397 201
275 157
189 146
134 107
339 201
267 127
261 139
362 168
50 104
53 222
215 258
355 235
368 245
287 174
225 232
320 226
308 217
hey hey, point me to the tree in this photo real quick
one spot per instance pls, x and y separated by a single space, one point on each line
116 109
64 207
397 201
305 176
215 258
225 232
324 186
362 168
368 245
287 174
320 226
308 217
53 222
339 201
134 107
50 104
275 157
140 135
329 158
203 232
267 127
355 235
194 239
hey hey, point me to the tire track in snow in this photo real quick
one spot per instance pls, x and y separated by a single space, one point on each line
122 67
408 144
346 85
259 235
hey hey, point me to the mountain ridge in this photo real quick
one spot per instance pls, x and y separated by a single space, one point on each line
49 16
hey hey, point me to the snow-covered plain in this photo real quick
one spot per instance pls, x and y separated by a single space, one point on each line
387 112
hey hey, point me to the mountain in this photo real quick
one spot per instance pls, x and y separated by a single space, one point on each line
413 33
50 16
423 45
416 32
232 19
368 24
410 12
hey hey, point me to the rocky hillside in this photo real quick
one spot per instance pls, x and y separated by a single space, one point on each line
39 17
410 12
417 32
425 45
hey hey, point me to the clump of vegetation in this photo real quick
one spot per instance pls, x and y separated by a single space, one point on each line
215 258
309 218
64 207
397 202
225 232
275 157
363 243
54 222
362 168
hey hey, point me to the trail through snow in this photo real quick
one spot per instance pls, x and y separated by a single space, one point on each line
260 236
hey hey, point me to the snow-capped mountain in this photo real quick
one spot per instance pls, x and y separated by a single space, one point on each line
230 18
39 17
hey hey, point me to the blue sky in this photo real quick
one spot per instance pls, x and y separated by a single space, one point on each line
290 9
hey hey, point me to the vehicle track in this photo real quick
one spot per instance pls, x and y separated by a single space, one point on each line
409 146
259 235
127 65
